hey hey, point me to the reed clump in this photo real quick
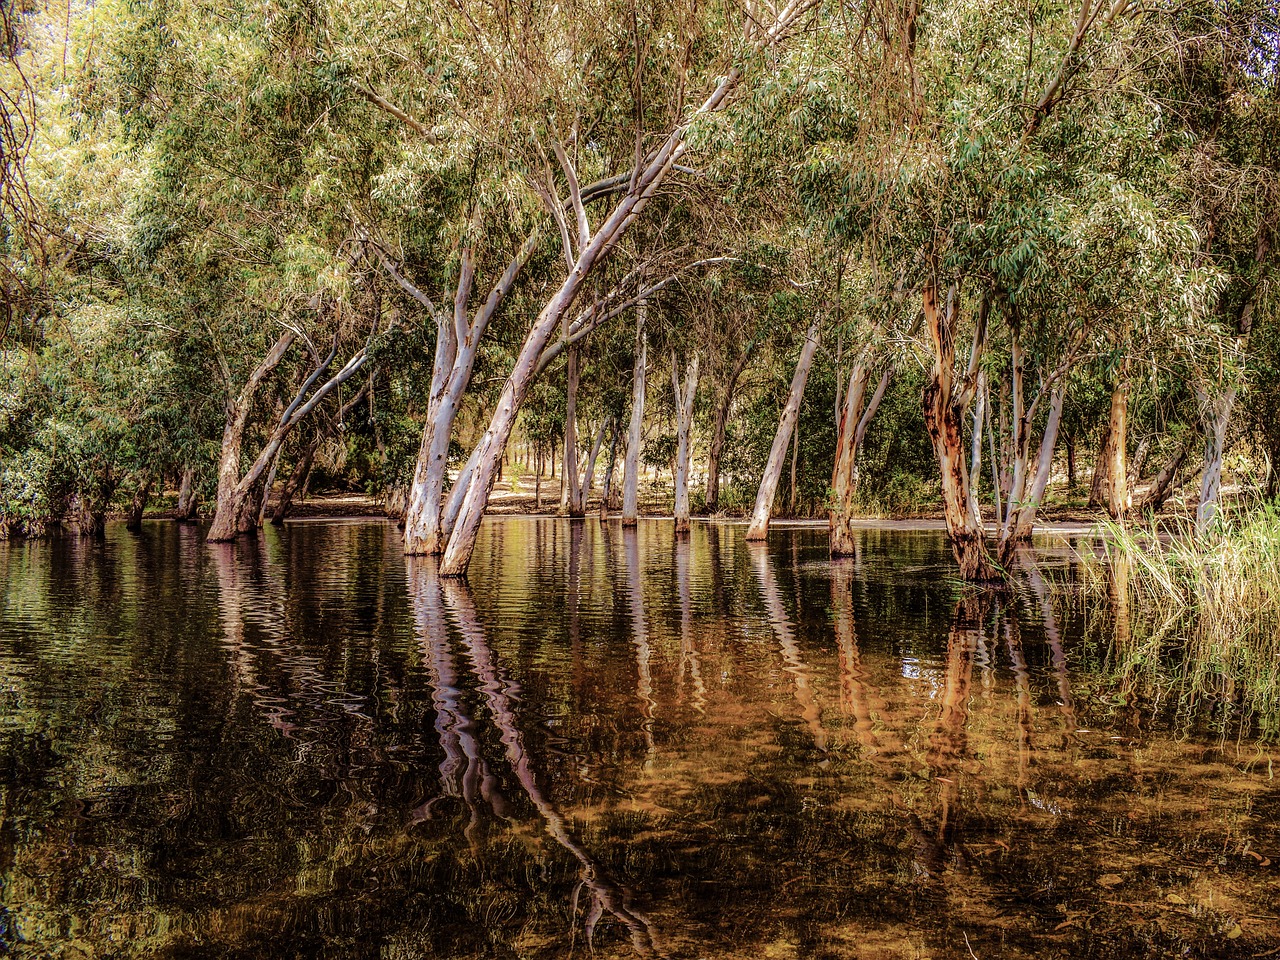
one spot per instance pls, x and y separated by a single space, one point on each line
1197 616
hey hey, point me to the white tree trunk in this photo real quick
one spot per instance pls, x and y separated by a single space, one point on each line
631 463
1216 415
759 527
684 425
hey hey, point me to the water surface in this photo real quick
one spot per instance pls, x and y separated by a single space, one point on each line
608 741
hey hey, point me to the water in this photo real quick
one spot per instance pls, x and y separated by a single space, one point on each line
609 742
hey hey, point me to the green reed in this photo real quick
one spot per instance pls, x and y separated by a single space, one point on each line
1197 617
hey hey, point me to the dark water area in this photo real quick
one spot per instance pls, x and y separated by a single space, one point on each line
609 743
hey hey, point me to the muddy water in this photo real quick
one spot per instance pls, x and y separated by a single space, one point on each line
609 741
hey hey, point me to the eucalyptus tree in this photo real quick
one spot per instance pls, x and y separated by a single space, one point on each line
724 57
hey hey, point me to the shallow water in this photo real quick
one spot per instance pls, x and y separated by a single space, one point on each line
608 741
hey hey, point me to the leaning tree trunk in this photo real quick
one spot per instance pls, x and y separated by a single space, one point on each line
718 429
943 416
188 502
1216 414
684 424
296 479
759 528
1163 485
588 479
631 463
229 515
646 179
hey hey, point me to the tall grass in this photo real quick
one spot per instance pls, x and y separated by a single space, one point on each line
1201 614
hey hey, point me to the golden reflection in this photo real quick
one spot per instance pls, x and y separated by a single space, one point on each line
690 662
640 640
501 695
784 631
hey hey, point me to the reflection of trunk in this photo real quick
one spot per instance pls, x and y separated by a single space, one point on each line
1066 703
856 696
759 527
141 494
296 479
851 429
640 639
690 662
188 502
631 463
684 425
785 633
718 428
1215 414
499 693
943 413
463 771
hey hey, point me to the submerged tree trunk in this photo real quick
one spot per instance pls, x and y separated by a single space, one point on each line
229 515
188 502
138 505
684 425
296 479
844 475
944 410
759 528
607 492
631 463
1215 413
1117 478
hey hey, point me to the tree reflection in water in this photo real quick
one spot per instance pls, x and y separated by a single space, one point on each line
306 745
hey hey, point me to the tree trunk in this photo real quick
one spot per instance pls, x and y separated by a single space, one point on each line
631 463
1098 485
572 499
1216 415
141 494
1070 441
759 528
1163 484
589 468
1028 502
684 425
719 427
188 502
228 515
1118 499
296 479
943 415
844 475
607 492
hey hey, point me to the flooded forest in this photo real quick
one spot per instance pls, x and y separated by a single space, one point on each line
639 479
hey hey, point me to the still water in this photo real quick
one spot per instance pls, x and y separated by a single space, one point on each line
610 742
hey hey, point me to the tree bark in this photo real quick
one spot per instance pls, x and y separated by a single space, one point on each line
759 528
138 505
228 518
296 479
607 492
631 463
1216 415
849 432
571 501
943 415
188 502
1117 481
1163 484
1028 501
684 425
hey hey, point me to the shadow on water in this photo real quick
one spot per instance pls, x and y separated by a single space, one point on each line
612 742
